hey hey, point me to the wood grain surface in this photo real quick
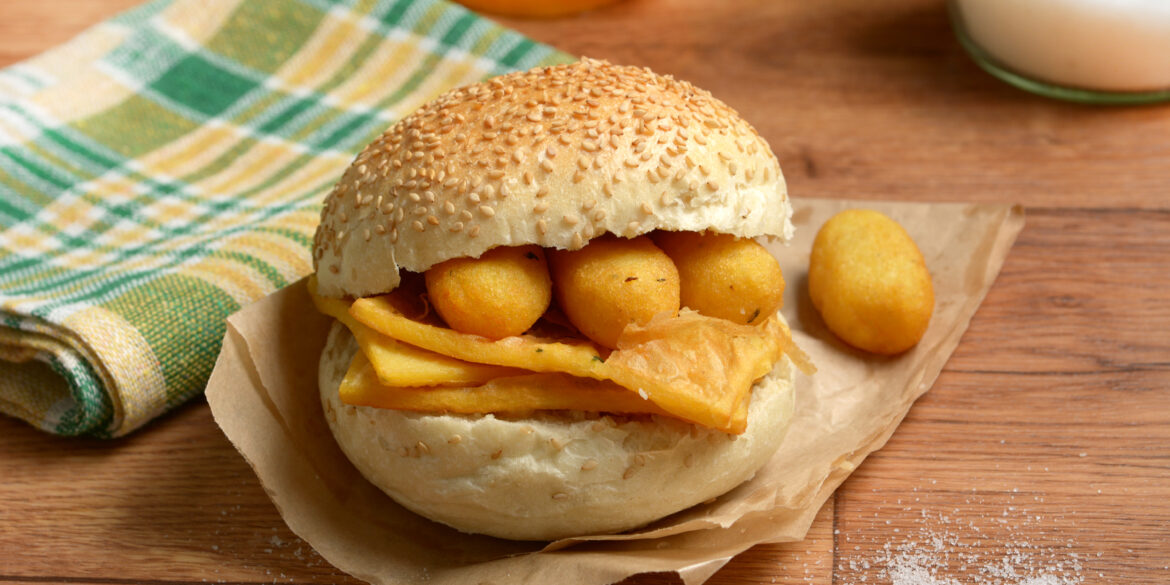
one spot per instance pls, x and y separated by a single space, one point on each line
1041 456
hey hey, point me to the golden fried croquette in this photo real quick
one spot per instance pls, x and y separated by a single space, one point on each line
613 282
500 294
870 283
723 276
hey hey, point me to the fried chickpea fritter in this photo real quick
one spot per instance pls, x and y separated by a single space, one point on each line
870 283
613 282
724 276
500 294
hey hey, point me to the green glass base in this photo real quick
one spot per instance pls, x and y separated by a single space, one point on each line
1072 94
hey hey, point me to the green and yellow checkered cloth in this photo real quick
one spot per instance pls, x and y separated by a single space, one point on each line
167 167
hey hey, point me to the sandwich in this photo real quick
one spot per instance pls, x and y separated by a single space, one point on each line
553 315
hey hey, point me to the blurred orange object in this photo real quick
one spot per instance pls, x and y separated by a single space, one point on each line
534 8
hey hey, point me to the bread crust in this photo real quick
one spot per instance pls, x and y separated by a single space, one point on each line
549 475
554 157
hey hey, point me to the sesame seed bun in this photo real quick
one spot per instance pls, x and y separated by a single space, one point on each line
554 157
551 475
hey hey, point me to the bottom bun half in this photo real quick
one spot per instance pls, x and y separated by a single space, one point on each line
548 475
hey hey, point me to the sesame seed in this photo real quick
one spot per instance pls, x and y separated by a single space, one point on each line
542 226
474 231
571 219
560 496
541 207
589 465
578 241
645 207
487 210
432 220
418 226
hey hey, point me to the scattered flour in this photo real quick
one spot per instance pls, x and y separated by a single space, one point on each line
941 550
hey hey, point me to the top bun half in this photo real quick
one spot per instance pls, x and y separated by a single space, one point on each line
554 157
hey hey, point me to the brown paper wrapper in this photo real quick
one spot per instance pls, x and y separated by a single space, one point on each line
263 394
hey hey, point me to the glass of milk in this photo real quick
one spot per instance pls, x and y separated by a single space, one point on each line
1094 51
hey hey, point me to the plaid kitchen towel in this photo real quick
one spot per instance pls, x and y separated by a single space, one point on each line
167 167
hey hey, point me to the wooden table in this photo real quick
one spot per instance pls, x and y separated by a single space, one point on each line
1044 447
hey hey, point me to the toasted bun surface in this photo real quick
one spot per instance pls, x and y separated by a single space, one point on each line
552 157
549 475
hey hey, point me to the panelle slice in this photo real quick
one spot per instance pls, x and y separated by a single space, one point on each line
712 391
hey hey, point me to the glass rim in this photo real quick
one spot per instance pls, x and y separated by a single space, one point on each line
1072 94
